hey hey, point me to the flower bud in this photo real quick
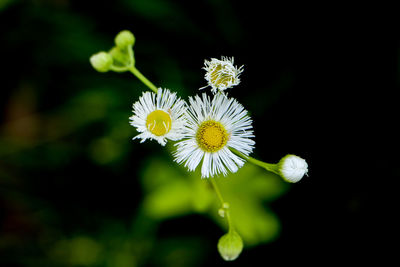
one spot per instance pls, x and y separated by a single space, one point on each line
121 57
101 61
230 246
292 168
124 38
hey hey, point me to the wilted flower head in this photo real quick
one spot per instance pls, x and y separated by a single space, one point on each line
292 168
221 74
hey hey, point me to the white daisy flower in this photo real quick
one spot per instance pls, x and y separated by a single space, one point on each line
292 168
221 74
159 116
212 128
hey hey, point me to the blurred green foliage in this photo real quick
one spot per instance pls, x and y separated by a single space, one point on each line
172 191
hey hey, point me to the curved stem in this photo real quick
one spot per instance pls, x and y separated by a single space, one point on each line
132 58
268 166
118 69
143 79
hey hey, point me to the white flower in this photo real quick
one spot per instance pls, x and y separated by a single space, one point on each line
221 74
212 128
292 168
159 116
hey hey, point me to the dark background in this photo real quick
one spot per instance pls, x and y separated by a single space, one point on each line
319 82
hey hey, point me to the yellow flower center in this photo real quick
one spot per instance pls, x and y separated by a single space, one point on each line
158 122
219 78
211 136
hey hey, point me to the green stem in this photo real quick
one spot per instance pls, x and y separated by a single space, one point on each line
223 203
143 79
130 53
268 166
230 224
216 188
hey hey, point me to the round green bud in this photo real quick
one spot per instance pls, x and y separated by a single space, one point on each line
101 61
230 246
124 38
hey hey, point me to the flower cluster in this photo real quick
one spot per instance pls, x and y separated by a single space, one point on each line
206 129
214 131
119 57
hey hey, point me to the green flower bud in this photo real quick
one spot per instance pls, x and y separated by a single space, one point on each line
222 211
121 57
230 246
101 61
124 38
